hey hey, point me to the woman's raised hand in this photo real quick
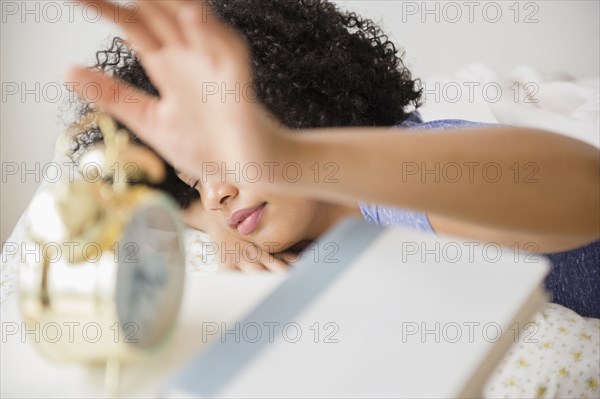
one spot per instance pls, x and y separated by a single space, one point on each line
207 110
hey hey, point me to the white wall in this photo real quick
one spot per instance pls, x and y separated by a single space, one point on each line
555 35
40 38
36 49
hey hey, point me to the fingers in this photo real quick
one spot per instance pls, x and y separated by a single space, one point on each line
194 22
249 267
151 25
174 6
256 260
162 20
252 259
134 25
288 257
271 262
132 107
207 34
275 265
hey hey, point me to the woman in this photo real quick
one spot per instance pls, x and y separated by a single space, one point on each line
284 87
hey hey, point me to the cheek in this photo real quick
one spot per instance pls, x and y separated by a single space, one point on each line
288 223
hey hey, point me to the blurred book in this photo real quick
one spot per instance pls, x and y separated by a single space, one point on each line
376 312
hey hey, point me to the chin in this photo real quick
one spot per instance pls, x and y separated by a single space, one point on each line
271 240
271 244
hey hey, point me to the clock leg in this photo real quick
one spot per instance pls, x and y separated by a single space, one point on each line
112 373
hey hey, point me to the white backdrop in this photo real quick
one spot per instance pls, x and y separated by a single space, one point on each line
39 39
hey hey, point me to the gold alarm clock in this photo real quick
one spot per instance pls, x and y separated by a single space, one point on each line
107 279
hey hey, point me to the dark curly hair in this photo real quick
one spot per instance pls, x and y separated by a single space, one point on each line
313 66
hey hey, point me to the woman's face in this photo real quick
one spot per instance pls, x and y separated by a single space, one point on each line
273 222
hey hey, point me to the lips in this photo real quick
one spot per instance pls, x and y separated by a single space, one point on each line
246 220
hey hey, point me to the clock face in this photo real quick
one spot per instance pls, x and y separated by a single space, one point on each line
150 275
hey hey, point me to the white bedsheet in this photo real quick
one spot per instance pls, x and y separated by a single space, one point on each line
522 97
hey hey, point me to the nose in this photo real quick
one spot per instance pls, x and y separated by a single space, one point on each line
216 194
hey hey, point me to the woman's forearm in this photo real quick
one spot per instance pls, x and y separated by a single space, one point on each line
514 179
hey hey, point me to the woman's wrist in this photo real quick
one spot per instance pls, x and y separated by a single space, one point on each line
285 155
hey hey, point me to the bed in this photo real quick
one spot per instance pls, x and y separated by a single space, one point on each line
558 354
